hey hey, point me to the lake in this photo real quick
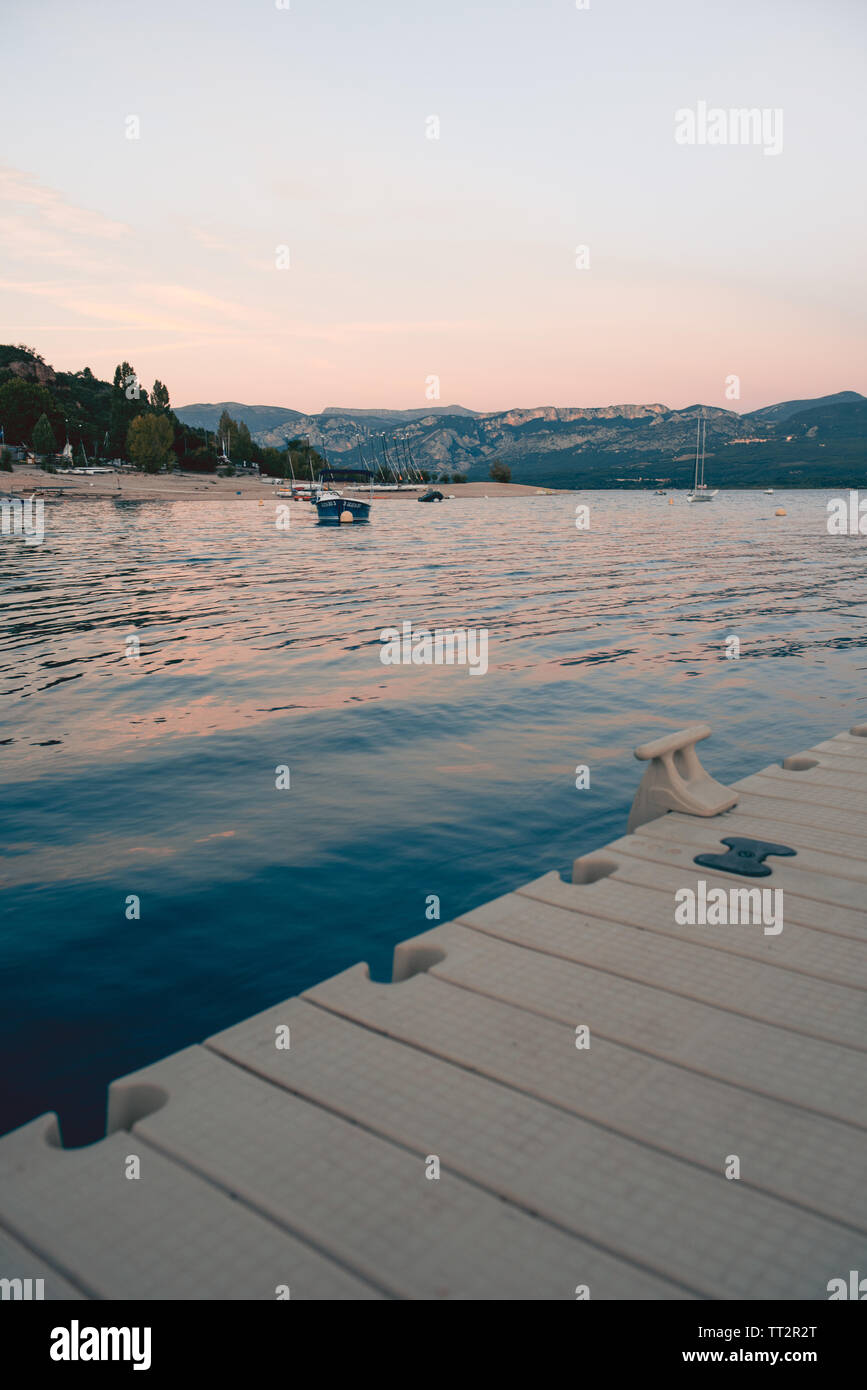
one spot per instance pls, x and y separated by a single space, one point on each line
161 661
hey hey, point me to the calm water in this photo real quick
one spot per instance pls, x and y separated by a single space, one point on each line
260 648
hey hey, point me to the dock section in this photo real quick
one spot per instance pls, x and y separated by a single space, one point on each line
566 1093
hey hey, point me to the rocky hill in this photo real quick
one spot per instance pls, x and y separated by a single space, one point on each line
594 446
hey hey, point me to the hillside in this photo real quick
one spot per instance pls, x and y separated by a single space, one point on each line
603 446
259 419
775 414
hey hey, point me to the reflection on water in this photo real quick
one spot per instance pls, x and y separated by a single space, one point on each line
259 648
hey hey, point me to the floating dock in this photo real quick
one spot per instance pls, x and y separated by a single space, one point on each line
565 1093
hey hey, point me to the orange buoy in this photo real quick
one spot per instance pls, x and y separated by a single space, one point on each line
781 511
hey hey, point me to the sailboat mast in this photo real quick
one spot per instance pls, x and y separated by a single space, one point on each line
413 469
703 442
697 442
386 453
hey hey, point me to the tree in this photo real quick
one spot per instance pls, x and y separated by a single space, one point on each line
160 398
235 441
149 442
44 442
21 404
200 461
128 400
273 463
5 459
501 472
244 447
227 429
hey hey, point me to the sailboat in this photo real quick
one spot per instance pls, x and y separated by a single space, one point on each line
699 488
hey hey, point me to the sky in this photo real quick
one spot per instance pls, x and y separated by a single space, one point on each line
314 203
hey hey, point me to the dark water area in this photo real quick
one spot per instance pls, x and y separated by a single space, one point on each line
259 648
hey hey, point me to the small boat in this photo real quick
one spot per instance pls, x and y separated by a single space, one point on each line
769 491
331 506
432 495
699 488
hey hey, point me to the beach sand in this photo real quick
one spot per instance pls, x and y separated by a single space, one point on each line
175 487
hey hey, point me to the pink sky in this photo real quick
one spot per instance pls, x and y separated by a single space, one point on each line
455 257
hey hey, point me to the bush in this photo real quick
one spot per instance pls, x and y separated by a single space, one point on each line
5 459
458 478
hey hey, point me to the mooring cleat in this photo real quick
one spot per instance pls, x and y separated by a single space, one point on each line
676 780
744 856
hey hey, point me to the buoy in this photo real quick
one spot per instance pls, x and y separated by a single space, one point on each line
261 504
671 501
346 516
781 511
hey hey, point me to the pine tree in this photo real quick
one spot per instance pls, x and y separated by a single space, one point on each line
44 442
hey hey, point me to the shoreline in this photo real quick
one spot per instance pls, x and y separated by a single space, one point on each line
26 482
175 487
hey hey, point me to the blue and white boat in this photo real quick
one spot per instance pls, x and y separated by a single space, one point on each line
332 507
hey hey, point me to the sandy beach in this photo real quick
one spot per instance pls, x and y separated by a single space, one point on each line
176 487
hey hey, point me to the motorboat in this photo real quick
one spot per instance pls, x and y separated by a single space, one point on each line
333 508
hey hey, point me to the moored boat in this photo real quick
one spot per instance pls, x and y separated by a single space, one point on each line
700 491
332 507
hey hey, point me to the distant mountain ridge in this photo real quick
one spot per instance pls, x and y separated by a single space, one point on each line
205 416
776 413
258 418
565 446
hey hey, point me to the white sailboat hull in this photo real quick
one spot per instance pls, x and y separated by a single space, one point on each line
702 496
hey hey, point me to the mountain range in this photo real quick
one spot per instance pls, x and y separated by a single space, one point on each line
820 441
